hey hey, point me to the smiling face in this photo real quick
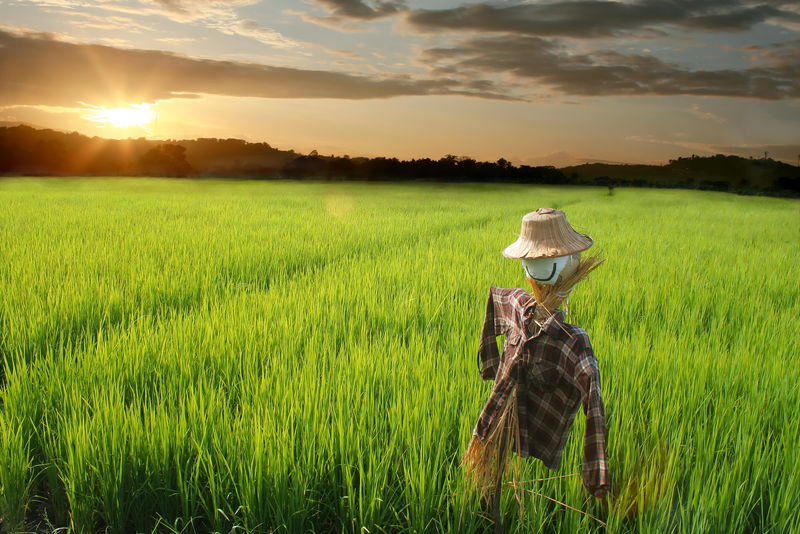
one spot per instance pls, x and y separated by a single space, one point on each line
547 270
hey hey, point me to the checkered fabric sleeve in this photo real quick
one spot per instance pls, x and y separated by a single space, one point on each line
495 323
596 476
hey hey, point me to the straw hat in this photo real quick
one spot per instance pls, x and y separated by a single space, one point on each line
546 234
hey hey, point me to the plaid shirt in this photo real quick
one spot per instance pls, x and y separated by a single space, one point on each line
553 370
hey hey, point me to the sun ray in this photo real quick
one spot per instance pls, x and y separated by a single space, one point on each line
132 116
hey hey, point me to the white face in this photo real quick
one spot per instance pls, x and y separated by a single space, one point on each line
547 270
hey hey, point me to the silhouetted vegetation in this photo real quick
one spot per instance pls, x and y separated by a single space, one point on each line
29 151
165 160
717 173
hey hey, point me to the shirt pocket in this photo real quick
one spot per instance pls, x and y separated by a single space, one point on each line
542 373
511 343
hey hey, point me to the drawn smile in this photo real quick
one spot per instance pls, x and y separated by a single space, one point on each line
552 273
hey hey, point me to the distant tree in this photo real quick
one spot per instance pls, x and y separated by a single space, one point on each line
51 155
165 160
305 166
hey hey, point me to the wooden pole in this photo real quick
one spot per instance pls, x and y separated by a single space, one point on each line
501 460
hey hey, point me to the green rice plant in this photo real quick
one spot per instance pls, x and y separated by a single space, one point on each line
77 474
16 475
290 357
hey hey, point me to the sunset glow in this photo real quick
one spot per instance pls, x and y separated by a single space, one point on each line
551 82
133 116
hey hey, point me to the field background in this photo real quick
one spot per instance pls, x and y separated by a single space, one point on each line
187 356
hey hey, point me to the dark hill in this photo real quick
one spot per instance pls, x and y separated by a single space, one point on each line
720 172
25 150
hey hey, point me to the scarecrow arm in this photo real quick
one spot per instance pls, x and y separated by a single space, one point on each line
497 322
596 476
488 353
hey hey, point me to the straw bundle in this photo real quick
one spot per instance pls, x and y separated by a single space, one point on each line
550 298
483 460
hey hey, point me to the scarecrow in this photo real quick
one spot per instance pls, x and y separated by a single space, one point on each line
547 368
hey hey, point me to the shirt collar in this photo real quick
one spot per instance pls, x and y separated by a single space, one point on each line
553 326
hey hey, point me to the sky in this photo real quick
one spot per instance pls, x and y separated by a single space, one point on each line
535 82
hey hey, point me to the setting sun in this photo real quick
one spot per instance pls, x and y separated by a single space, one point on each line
133 116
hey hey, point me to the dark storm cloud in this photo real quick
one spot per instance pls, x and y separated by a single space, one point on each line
552 64
357 9
592 18
38 69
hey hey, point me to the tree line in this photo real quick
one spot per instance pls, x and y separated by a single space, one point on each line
29 151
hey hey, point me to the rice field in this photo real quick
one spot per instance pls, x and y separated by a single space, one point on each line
183 356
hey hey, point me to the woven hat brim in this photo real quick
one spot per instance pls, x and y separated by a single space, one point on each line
528 249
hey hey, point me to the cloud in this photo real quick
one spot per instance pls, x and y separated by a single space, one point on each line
176 40
548 46
350 15
356 9
695 146
556 65
88 20
38 69
781 54
178 10
251 28
600 18
705 115
219 15
190 10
